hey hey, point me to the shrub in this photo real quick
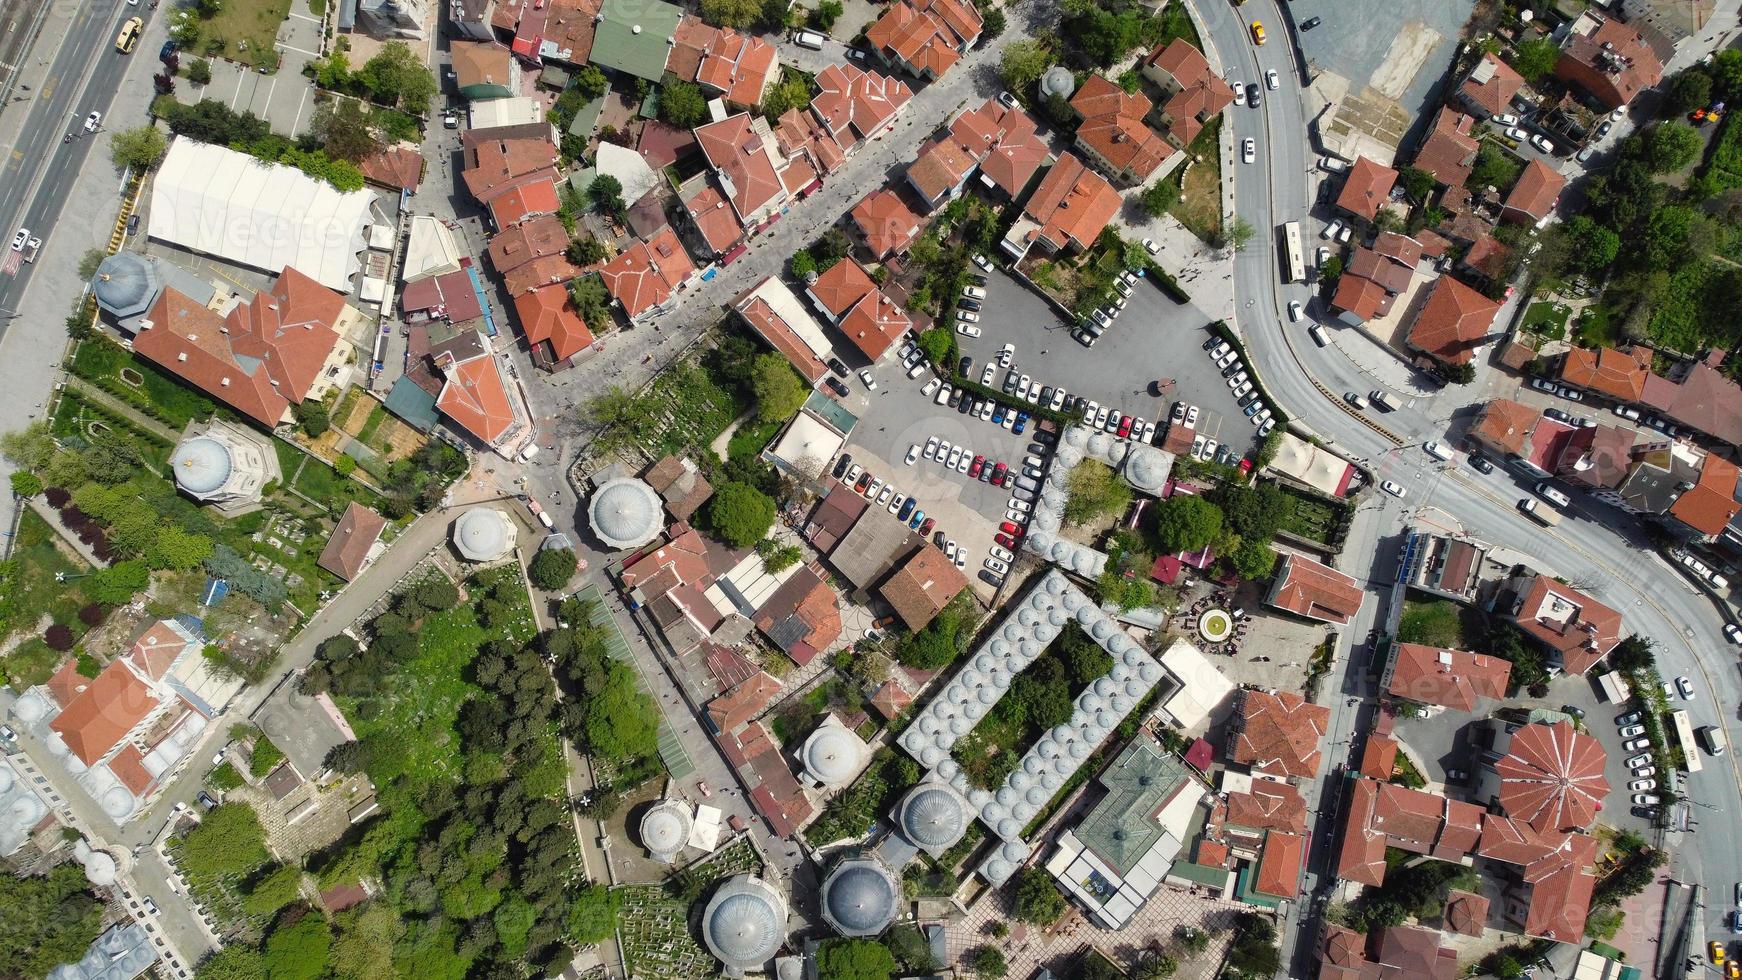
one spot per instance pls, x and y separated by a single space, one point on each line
58 637
264 757
90 614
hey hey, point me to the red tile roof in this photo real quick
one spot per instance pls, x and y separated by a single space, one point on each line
1360 297
1708 506
1370 264
528 240
646 273
1415 952
495 165
260 358
399 167
736 66
743 702
547 315
1620 374
1280 733
734 148
1552 777
1466 913
1202 93
1449 152
1582 629
1072 204
1452 322
888 225
1280 866
1708 401
568 30
855 105
798 131
922 586
1269 805
1379 757
1307 588
841 286
1533 197
715 218
104 712
942 166
128 765
1450 678
813 604
1361 847
1005 141
357 531
156 649
1366 188
875 323
889 699
524 200
475 397
927 35
1491 85
1505 426
1113 129
450 295
773 329
1609 59
1398 248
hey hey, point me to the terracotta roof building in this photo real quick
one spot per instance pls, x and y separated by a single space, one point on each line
738 68
644 277
1705 400
680 484
1619 374
1453 322
397 167
1466 913
1316 591
857 106
1504 427
922 586
1449 152
482 70
1552 777
884 223
1608 59
742 153
715 218
924 37
777 316
802 617
1268 805
1556 875
551 323
871 320
1195 94
1707 507
1359 299
263 356
1532 198
1069 208
738 706
1489 87
839 288
532 239
348 546
1112 131
800 133
1366 189
940 171
1576 627
1379 757
1005 141
1597 456
1279 734
1279 866
495 165
1447 678
475 398
567 35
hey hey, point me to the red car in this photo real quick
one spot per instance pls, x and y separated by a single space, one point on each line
925 529
864 481
1000 474
1010 529
979 464
1245 466
1124 426
1005 541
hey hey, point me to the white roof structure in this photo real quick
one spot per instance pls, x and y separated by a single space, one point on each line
626 513
747 586
629 167
216 201
1115 898
1202 686
431 250
1313 466
705 831
484 534
808 445
20 809
832 755
786 304
516 111
986 675
665 829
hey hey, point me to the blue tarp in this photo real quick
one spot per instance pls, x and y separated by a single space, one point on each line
483 302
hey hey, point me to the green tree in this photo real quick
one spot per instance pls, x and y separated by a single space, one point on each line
25 484
273 891
229 840
591 82
1536 58
1022 63
1332 267
312 416
827 12
1186 522
1237 232
200 72
988 962
31 447
1669 236
802 264
334 71
777 557
606 193
682 104
1160 197
740 515
1591 247
1253 954
1095 491
139 148
732 13
343 128
363 948
993 22
396 76
1252 559
298 951
552 568
592 917
617 407
1670 146
178 549
855 959
233 962
622 722
938 344
1690 89
592 301
263 757
1037 899
117 584
90 261
586 251
779 391
1418 184
46 920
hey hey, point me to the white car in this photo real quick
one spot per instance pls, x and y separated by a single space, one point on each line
1504 119
896 501
1089 410
1248 150
1542 143
1015 516
1633 731
1237 379
1242 391
888 491
1514 133
1642 785
966 461
985 415
1271 80
1636 745
1022 384
1323 257
986 375
1191 416
1392 488
974 292
1005 353
968 330
19 239
1226 360
912 454
931 447
1150 247
1209 448
1643 771
917 368
1019 505
872 490
967 316
962 558
930 388
1101 417
953 458
1333 229
1639 761
1002 555
1333 165
943 397
852 477
1294 311
1218 351
950 550
997 567
1058 399
982 262
869 381
1733 634
92 121
1198 446
1685 686
1239 91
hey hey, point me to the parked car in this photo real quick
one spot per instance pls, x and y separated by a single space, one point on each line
1632 731
1636 745
867 379
1639 760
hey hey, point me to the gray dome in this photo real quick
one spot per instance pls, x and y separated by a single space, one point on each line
1058 81
201 464
933 816
126 284
859 898
745 922
1147 468
832 754
665 828
483 534
625 513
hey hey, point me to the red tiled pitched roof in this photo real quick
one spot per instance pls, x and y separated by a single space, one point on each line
1280 733
942 165
799 131
568 30
1708 401
1268 805
854 104
1552 777
1316 591
929 35
1559 616
156 649
1533 196
494 165
737 66
1360 297
1379 757
1361 848
357 531
547 314
1452 321
545 270
1451 678
1466 913
1609 59
514 247
733 147
922 586
1491 84
1366 188
1005 141
841 286
888 224
1113 128
1449 152
1505 426
715 218
743 702
874 323
104 712
475 397
525 199
1072 204
398 167
1708 506
646 273
1620 374
1280 866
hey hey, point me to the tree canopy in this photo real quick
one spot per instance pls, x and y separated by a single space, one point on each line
1536 58
552 568
1186 522
1037 899
682 104
779 391
229 840
740 515
1096 491
855 959
46 920
139 148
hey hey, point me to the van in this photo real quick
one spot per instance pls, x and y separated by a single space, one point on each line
1386 400
1437 450
808 39
1319 336
129 36
1713 738
1028 483
1552 495
1545 516
530 453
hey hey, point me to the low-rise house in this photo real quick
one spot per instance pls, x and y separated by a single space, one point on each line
1399 952
680 483
1005 142
1366 189
1448 567
940 172
746 161
1066 213
1578 630
1449 151
1608 59
884 224
1440 678
1277 734
1452 323
737 68
568 32
802 617
924 37
634 37
857 106
921 586
716 221
852 302
777 316
1112 132
1315 591
484 71
1704 399
532 239
1195 93
1609 371
1489 87
1504 427
1597 457
475 397
1532 198
552 325
349 548
800 133
646 277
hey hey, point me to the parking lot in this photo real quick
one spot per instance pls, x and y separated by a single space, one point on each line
968 511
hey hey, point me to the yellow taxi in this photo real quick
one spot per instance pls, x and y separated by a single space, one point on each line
1733 970
1257 32
129 36
1716 949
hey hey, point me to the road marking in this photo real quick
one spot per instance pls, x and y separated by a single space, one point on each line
49 86
312 20
311 54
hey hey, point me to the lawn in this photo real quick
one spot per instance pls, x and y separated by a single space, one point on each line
1309 518
243 30
110 367
31 593
1434 622
1199 179
1597 326
1548 320
76 415
320 482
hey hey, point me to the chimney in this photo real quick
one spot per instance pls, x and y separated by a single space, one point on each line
224 382
182 356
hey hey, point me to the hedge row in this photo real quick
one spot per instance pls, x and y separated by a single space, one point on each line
1221 328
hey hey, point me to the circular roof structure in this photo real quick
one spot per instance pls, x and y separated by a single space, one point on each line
201 465
745 922
1058 81
832 755
1147 467
126 284
1552 777
625 513
859 897
483 534
665 828
932 816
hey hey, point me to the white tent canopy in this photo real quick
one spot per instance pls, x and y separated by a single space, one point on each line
216 201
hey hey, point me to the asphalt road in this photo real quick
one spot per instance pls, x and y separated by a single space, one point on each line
38 172
1613 561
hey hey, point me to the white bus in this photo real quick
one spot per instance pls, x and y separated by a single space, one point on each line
1294 268
1684 734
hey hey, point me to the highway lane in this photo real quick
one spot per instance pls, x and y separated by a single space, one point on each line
1602 552
36 175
